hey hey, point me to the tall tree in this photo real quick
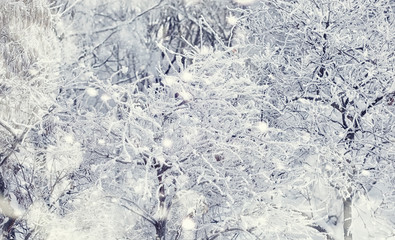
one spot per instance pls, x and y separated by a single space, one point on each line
329 67
188 156
197 119
29 81
191 157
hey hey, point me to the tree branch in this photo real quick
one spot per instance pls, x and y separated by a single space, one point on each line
116 27
218 233
142 213
376 101
8 128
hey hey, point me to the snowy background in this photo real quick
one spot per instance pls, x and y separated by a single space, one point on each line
197 119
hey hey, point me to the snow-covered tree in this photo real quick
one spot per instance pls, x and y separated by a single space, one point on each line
197 119
188 156
119 39
36 156
329 68
192 156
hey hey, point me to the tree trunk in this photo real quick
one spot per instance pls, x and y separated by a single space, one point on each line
7 211
160 224
160 228
347 217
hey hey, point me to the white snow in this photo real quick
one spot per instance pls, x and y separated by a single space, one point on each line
232 20
92 92
124 69
188 224
191 2
245 2
105 97
365 173
205 50
186 95
69 139
167 143
170 81
186 76
262 126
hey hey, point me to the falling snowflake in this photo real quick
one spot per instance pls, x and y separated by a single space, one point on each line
328 167
305 137
33 72
170 81
245 2
124 69
365 173
191 2
205 50
69 139
262 126
188 224
232 20
105 97
186 96
92 92
186 76
167 143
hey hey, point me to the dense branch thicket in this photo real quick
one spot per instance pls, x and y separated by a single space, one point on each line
197 119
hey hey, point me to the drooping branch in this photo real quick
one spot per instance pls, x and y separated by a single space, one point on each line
140 211
117 27
8 128
227 230
16 142
375 102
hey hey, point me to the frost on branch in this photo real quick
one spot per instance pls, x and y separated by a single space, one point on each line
329 79
29 80
199 119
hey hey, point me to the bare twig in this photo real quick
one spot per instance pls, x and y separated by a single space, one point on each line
8 128
118 26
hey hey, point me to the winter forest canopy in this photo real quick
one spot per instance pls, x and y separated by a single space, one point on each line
197 119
